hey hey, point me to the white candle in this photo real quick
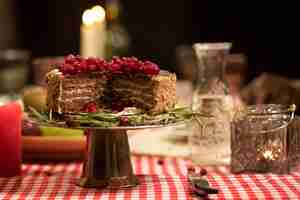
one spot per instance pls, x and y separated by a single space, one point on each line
93 33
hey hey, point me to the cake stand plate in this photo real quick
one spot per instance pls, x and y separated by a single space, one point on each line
107 161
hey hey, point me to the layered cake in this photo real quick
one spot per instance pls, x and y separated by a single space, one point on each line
92 84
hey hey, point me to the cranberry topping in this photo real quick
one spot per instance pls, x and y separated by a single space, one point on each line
150 68
124 121
77 64
191 169
203 172
90 107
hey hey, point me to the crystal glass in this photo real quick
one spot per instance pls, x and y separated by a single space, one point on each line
14 68
259 140
210 136
294 143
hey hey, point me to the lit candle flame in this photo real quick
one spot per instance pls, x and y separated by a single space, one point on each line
88 17
268 155
99 12
94 15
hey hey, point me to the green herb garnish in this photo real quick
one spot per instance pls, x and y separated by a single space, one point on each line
38 115
108 119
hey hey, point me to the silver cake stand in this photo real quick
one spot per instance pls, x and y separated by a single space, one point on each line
107 161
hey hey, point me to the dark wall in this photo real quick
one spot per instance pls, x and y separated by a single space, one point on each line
156 27
8 28
265 32
52 27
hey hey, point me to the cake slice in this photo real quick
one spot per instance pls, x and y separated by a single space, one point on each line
125 82
153 94
72 93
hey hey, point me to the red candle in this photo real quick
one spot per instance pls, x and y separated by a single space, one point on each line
10 139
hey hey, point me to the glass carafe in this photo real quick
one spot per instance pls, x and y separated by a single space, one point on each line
210 136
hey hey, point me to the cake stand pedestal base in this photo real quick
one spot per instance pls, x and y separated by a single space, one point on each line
107 161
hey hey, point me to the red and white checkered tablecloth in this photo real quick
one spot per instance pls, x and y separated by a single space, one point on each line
166 180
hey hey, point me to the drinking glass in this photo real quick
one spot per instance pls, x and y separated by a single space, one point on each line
10 136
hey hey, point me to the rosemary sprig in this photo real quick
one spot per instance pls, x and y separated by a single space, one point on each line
36 114
107 119
104 117
96 123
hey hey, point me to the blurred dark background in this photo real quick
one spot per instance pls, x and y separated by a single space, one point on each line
265 32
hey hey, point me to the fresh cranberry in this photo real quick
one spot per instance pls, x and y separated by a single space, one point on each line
115 68
117 60
101 64
91 61
126 68
79 58
150 68
134 66
68 69
90 107
92 68
77 66
70 59
203 172
124 121
127 64
191 169
160 161
83 66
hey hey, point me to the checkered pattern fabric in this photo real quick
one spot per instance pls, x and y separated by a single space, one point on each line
160 179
